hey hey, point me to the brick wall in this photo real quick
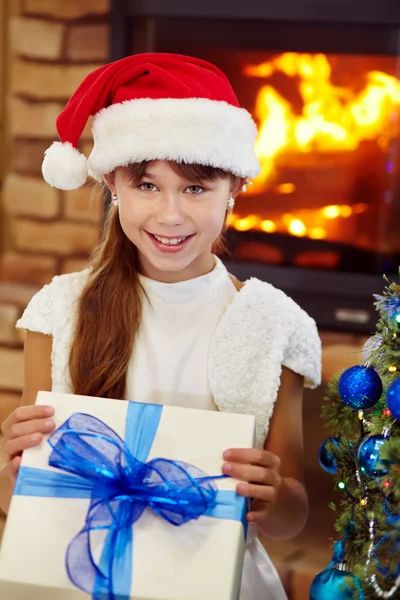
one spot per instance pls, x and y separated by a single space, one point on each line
54 45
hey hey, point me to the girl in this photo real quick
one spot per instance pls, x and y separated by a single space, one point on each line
156 317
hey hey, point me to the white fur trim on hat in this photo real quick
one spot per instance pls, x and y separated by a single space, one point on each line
193 131
64 167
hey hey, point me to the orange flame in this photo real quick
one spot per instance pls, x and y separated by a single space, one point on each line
333 118
313 223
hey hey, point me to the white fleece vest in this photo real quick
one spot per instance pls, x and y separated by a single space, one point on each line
261 331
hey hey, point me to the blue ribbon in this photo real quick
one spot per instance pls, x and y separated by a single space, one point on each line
98 465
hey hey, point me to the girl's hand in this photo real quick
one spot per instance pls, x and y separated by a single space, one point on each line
24 429
260 470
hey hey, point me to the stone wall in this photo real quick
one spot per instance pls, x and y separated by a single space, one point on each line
54 45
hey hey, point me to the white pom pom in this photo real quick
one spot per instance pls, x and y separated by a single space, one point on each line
64 167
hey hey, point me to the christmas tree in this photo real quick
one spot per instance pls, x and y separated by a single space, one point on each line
362 409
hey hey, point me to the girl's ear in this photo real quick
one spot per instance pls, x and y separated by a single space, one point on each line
110 181
237 187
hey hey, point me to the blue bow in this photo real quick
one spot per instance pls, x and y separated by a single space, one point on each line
120 484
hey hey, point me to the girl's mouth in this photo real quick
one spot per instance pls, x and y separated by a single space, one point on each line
170 244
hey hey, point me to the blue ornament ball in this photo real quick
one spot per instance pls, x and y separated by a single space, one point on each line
325 458
369 458
393 398
331 584
360 387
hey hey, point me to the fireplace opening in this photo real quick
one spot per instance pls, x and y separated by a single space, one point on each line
328 145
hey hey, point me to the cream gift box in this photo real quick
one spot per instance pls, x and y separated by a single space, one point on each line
199 560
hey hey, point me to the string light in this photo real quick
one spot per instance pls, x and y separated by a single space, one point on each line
372 579
341 485
387 413
360 415
392 369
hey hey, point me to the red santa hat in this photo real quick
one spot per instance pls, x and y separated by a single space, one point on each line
152 107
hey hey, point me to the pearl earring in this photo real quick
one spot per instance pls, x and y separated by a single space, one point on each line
231 202
114 200
244 187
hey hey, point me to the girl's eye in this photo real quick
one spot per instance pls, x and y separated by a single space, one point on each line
195 189
192 189
147 187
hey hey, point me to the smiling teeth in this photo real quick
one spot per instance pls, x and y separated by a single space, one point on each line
170 242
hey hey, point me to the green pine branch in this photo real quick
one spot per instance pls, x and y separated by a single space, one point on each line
382 493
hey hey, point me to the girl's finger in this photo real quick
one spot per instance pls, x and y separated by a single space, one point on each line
26 413
257 516
29 427
12 468
265 493
13 448
252 456
246 472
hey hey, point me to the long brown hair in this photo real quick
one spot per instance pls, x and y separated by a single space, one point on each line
109 309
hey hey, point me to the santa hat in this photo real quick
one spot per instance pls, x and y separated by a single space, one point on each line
152 107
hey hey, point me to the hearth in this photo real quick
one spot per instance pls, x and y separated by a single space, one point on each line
322 80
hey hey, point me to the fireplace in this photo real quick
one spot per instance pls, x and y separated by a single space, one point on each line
322 80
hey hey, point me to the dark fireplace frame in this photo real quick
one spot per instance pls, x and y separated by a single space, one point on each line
337 300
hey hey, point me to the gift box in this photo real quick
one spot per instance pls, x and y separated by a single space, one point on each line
127 507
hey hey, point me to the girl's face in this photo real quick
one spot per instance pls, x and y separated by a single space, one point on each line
172 221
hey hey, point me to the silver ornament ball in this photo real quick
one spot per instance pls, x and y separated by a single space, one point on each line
371 346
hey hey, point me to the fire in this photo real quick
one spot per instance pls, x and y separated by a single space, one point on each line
285 188
311 223
297 227
331 212
317 233
246 223
332 119
268 226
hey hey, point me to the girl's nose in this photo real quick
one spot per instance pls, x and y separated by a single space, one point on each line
170 211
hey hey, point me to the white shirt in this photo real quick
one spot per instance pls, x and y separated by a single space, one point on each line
169 360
